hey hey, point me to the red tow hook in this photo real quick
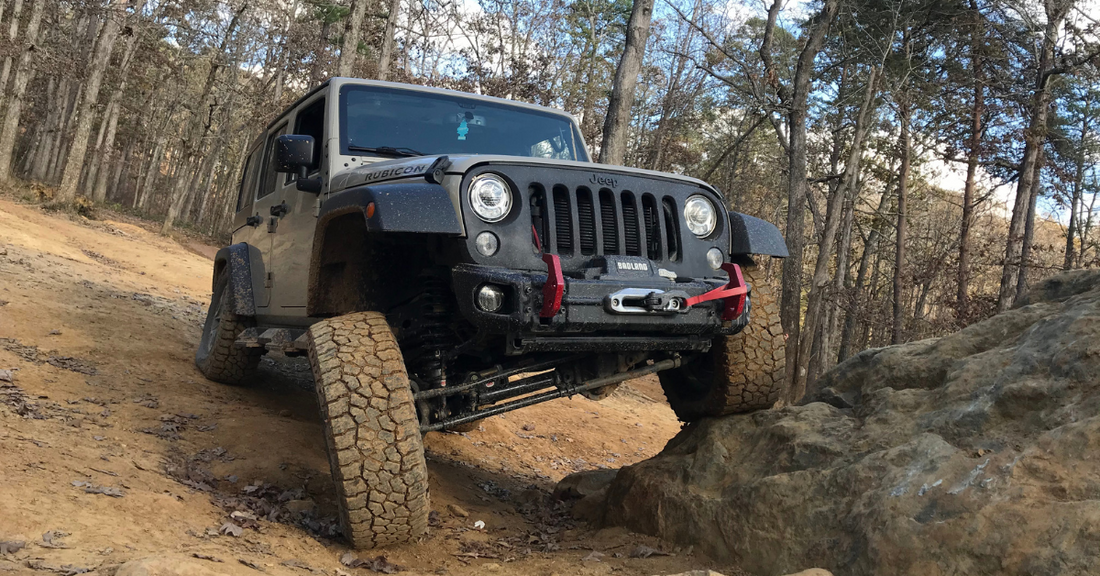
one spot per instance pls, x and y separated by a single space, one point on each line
733 293
554 287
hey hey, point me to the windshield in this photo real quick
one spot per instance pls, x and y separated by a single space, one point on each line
392 123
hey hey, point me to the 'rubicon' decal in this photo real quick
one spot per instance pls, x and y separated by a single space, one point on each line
396 171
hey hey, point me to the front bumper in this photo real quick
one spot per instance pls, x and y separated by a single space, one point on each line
598 313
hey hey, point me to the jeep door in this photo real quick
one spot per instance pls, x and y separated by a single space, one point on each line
247 221
263 234
292 240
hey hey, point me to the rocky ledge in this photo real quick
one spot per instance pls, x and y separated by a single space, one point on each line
975 453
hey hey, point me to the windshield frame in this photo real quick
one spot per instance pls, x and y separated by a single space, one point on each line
580 149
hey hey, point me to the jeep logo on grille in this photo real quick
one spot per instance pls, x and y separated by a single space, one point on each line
601 180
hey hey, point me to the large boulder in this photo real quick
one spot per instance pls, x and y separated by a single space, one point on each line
972 454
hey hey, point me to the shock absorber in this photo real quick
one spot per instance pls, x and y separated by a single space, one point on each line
434 336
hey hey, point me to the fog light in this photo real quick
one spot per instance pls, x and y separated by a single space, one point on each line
490 298
487 243
714 258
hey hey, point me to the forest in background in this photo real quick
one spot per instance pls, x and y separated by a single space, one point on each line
882 136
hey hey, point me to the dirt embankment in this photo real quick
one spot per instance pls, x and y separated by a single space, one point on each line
115 448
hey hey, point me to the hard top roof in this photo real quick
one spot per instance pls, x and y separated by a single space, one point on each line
338 81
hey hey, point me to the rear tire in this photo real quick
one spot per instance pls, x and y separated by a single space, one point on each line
740 373
374 444
218 357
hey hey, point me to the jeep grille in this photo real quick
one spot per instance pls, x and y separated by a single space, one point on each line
575 221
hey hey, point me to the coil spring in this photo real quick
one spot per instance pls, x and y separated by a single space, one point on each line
434 336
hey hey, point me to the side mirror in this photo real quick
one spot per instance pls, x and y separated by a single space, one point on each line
294 154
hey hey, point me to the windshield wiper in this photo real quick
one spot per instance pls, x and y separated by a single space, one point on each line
398 152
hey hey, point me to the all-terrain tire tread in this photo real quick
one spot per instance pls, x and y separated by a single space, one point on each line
226 362
374 442
748 367
754 361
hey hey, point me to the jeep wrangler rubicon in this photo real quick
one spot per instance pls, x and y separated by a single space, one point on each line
443 257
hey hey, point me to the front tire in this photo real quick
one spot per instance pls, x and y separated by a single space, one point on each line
374 444
741 373
218 357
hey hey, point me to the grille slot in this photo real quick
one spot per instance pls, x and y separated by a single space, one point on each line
563 221
672 229
630 226
540 226
652 227
586 221
608 222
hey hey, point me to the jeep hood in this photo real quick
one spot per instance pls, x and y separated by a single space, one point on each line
418 167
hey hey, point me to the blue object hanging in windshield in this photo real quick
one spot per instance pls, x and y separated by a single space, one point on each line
463 130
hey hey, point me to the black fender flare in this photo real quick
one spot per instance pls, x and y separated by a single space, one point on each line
236 258
753 236
417 207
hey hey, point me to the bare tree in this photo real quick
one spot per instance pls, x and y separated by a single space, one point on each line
101 57
617 123
794 99
1034 137
385 58
349 49
23 73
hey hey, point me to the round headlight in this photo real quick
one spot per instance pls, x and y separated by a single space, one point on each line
700 215
490 197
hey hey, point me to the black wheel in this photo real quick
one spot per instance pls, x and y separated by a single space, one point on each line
218 358
740 373
374 444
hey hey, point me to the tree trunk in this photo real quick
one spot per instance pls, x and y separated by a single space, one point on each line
870 252
61 143
589 126
962 286
819 283
616 125
32 165
114 187
842 279
13 31
23 72
89 168
86 112
1029 225
1034 138
389 40
904 145
1078 179
820 354
317 70
35 143
145 190
349 49
796 100
98 187
199 129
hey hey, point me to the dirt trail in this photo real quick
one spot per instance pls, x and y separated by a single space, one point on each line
111 438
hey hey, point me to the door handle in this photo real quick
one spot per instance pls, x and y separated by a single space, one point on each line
280 210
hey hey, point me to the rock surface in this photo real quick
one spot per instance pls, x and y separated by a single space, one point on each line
970 454
584 483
